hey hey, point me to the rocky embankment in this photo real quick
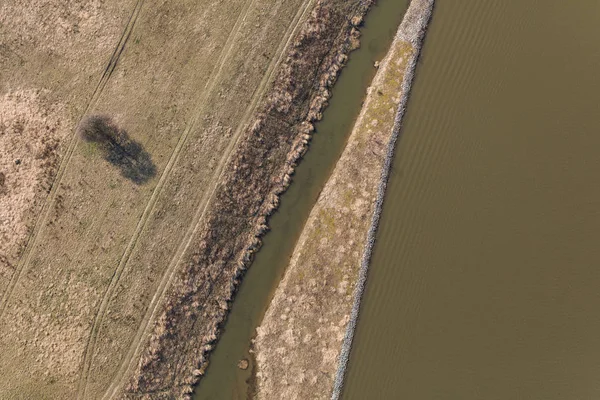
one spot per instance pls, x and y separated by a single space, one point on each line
303 343
412 30
197 302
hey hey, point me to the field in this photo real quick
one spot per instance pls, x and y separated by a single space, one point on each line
90 245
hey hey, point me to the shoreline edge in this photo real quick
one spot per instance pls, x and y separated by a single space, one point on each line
412 30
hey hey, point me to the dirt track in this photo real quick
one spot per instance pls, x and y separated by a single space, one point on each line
48 72
176 259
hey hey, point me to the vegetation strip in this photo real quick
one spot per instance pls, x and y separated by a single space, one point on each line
258 174
150 207
412 30
146 325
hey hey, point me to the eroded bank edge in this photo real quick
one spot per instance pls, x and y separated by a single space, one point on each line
412 30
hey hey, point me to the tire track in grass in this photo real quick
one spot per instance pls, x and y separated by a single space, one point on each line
145 326
112 63
46 208
100 313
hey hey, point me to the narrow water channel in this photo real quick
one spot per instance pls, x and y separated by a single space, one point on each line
485 276
223 379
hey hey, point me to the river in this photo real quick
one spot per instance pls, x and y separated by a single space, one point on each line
223 379
485 280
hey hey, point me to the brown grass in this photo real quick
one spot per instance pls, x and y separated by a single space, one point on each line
30 135
81 298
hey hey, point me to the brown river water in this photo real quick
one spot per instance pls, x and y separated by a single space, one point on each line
485 276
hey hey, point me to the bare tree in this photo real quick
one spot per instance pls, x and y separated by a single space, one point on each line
100 129
117 147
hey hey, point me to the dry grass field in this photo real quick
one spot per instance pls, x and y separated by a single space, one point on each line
88 245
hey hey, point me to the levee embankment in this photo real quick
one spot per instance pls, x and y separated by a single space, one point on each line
412 30
307 330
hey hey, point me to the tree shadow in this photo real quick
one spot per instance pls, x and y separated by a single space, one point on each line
118 148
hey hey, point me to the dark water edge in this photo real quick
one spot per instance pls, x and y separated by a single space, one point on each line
223 379
484 278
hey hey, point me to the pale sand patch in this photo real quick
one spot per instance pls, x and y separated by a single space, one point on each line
30 133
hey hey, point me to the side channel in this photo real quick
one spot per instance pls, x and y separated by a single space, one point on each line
223 379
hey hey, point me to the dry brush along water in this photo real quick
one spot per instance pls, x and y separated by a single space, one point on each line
261 168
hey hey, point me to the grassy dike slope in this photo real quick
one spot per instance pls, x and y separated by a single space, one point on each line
301 339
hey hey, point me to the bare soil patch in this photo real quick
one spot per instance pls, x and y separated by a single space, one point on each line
30 135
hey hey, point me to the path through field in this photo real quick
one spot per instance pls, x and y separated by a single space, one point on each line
112 63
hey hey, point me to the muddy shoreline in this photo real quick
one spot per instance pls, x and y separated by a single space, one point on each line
412 30
197 302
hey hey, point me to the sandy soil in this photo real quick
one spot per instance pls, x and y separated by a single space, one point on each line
299 342
31 131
